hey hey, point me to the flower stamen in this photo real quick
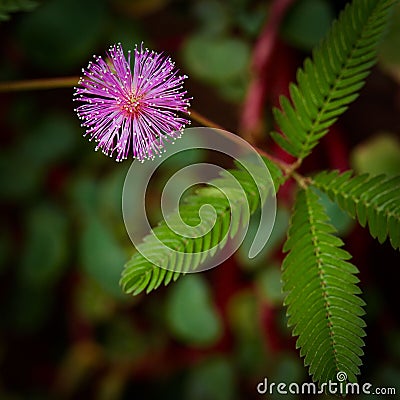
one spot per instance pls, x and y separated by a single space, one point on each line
132 110
132 107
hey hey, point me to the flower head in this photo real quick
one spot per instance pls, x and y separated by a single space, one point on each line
129 110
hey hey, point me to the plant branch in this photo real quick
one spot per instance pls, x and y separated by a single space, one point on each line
289 170
63 82
39 84
195 116
263 58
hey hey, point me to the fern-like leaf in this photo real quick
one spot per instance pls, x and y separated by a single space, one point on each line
175 254
320 284
372 200
328 83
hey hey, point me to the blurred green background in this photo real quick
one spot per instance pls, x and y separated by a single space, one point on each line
66 329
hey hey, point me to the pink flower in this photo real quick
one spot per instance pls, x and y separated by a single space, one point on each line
135 110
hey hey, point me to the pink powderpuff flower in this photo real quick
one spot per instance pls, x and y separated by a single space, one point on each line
135 110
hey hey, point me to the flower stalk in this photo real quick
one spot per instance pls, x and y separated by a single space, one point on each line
289 170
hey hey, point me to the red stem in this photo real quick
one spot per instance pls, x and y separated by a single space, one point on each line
250 123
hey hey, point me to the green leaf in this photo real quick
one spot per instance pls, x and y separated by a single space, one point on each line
269 284
235 90
250 17
216 59
378 155
332 79
321 293
372 200
168 253
339 218
190 313
389 50
213 16
84 196
307 22
206 380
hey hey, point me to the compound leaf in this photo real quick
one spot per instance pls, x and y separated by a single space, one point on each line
332 79
372 200
321 293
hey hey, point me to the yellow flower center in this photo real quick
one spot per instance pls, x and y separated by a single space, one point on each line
132 106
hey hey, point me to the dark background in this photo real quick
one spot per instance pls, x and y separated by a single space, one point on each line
66 329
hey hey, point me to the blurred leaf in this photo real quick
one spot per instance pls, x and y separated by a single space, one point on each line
44 255
175 164
287 369
339 218
19 177
268 281
24 166
83 192
213 379
234 90
51 139
213 16
379 154
252 20
10 6
190 313
216 59
307 22
101 255
123 342
243 315
93 302
62 33
192 155
389 50
276 238
243 319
